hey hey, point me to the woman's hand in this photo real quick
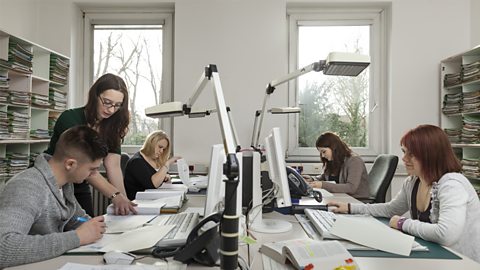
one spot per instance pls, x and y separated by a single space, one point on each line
172 160
315 184
338 207
123 206
307 178
394 222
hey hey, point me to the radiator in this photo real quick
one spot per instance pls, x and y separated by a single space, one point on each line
100 202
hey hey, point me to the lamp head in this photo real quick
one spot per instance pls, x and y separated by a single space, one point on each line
284 110
345 64
168 109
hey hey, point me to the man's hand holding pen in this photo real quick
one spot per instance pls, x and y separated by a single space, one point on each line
91 229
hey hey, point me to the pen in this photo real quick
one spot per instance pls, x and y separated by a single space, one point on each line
82 219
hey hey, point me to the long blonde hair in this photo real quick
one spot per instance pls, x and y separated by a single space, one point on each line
148 148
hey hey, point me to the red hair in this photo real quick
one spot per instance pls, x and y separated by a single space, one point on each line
430 146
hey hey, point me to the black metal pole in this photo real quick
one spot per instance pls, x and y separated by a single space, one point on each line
229 223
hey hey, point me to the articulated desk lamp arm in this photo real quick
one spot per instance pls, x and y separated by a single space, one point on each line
229 227
337 63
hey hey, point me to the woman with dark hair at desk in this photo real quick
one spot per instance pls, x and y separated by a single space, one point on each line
442 203
342 166
148 168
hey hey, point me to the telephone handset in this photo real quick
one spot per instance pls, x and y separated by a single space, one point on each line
202 244
299 187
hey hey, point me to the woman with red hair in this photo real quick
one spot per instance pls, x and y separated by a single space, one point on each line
442 203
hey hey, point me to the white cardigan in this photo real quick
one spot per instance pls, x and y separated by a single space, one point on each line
455 213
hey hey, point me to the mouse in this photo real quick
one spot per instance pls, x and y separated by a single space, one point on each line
118 257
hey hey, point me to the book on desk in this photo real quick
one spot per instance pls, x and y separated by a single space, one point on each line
303 252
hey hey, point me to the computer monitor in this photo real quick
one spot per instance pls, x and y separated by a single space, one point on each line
215 196
216 186
278 175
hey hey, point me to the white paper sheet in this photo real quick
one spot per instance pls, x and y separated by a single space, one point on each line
372 233
160 265
120 224
140 238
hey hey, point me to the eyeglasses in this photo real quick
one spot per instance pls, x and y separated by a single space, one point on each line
109 104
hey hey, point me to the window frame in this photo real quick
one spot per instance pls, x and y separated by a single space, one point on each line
378 105
160 16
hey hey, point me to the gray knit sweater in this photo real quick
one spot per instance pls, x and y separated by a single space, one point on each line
351 180
36 221
455 214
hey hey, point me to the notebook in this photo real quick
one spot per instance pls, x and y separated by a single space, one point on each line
194 183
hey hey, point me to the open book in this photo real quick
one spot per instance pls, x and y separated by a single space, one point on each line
303 252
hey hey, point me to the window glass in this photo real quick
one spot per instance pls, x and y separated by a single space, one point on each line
333 103
134 52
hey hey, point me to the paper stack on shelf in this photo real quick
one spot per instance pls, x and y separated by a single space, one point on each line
3 81
471 129
453 79
40 100
57 99
18 124
471 72
39 134
17 162
20 57
471 102
19 98
471 167
58 70
452 103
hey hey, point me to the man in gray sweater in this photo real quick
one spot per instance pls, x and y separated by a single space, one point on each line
39 215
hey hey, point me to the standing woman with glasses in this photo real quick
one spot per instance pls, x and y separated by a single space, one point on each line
106 112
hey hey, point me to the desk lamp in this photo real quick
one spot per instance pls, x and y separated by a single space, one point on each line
337 64
230 218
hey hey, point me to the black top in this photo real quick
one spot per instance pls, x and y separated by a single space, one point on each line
68 119
138 175
417 214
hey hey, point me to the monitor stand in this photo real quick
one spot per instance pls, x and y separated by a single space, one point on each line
258 223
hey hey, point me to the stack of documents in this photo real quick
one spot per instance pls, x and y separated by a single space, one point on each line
471 129
20 57
58 70
452 103
57 99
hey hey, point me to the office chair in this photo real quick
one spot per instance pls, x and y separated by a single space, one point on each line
123 162
380 177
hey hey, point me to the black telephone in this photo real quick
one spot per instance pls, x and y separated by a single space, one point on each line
299 187
202 244
296 183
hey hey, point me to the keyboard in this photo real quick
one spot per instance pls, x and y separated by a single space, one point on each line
322 221
178 235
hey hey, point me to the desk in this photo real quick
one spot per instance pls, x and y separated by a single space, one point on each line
370 263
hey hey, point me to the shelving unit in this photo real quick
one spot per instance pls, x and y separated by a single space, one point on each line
460 95
33 91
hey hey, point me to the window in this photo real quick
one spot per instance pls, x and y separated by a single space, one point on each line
133 46
352 107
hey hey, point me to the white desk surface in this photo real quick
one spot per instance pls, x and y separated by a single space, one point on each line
370 263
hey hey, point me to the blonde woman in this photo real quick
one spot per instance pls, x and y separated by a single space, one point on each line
148 168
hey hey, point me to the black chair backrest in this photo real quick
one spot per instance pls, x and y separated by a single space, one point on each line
124 157
381 175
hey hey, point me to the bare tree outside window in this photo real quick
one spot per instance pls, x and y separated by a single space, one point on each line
332 103
133 52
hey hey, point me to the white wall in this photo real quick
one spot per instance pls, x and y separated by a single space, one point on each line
475 22
247 40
